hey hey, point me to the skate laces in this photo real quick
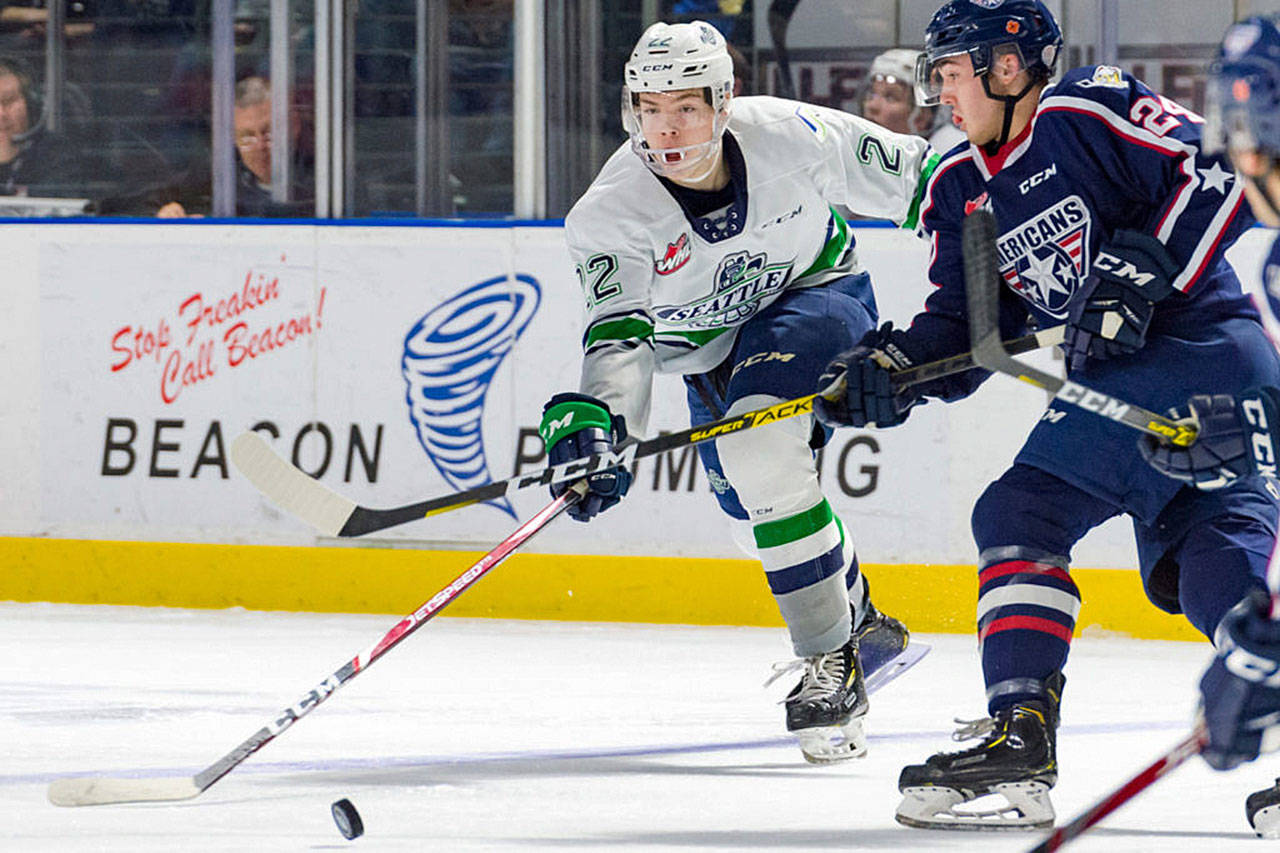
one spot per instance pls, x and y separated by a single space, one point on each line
983 728
823 675
970 729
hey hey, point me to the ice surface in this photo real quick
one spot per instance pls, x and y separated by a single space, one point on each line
505 735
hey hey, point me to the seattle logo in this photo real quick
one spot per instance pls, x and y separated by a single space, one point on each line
450 357
744 283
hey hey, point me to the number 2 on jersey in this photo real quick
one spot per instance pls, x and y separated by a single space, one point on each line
595 277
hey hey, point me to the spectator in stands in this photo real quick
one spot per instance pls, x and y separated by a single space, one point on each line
251 119
33 162
889 100
23 24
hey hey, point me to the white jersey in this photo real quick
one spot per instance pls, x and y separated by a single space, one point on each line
666 295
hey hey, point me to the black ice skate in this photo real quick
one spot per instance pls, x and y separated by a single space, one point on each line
1263 810
826 708
1016 763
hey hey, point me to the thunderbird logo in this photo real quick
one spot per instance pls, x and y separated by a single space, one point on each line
1046 258
677 256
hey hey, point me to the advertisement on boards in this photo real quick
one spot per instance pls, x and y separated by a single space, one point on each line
400 364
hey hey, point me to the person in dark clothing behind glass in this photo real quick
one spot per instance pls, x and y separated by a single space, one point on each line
190 194
33 161
252 125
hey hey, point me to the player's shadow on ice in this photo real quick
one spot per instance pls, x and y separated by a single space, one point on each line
1173 834
852 837
497 769
835 838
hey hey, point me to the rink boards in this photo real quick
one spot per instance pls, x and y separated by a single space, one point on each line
398 363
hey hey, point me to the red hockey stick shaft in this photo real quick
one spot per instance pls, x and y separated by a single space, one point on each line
1189 746
102 790
389 641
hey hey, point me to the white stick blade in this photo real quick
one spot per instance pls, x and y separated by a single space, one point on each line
103 790
287 487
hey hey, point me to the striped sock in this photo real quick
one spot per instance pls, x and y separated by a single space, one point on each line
1027 609
804 562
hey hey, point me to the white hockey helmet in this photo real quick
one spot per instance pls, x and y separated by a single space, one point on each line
897 65
668 58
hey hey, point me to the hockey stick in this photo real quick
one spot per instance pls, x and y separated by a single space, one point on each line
982 291
334 515
1187 747
100 790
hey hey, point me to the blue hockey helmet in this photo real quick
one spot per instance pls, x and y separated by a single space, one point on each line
1243 96
976 28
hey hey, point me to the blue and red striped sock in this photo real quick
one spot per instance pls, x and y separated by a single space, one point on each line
1027 609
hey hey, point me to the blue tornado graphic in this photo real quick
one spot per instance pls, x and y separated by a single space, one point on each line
450 357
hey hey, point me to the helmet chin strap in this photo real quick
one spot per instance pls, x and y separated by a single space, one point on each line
1010 102
710 156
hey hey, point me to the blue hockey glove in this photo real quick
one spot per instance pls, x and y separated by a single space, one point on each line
1110 314
1233 440
577 425
868 368
1240 692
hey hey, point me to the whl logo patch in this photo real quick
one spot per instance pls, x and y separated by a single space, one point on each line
743 284
677 255
973 204
1046 258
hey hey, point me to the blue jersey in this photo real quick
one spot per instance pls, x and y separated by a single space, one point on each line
1102 153
1266 294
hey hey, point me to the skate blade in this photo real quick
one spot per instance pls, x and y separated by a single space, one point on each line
831 744
1011 806
1266 821
896 666
879 647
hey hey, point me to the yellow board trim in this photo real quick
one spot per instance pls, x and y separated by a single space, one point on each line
929 598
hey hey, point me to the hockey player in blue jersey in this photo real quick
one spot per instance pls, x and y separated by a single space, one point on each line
1112 221
1240 692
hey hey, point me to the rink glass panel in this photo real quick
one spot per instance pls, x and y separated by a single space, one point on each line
425 90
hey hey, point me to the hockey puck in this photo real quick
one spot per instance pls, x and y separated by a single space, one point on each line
347 819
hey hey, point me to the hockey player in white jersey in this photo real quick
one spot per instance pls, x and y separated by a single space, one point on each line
708 246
